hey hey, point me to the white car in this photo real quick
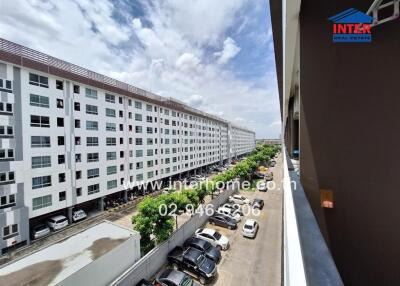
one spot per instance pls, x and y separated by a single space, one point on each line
262 186
238 199
214 237
57 222
230 213
200 178
250 228
78 215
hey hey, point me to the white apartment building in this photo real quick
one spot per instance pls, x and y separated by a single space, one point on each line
69 136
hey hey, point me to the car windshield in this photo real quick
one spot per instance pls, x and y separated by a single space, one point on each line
200 259
40 227
187 281
248 226
217 235
207 246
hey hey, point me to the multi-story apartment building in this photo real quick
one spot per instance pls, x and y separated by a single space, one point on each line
69 136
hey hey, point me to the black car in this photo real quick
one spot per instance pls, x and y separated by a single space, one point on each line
144 282
170 277
193 262
223 220
258 204
207 248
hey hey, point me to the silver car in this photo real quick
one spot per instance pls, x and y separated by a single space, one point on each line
39 231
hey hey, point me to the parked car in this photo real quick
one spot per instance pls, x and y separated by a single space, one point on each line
39 231
193 262
258 175
238 199
237 209
144 282
78 215
200 178
250 228
258 204
269 176
170 277
57 222
223 221
230 213
262 186
206 247
214 237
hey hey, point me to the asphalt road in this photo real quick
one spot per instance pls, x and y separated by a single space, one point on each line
256 262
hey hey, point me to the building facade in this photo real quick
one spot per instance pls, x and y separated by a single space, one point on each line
70 136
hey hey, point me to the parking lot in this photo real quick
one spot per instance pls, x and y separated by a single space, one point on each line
255 261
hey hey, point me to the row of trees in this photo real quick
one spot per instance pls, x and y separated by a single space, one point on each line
155 226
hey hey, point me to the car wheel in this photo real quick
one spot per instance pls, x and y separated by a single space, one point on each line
202 280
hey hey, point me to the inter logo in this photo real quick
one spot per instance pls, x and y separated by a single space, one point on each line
351 26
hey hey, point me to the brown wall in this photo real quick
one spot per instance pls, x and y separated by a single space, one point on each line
350 141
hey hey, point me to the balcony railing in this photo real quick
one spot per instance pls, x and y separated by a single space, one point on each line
307 259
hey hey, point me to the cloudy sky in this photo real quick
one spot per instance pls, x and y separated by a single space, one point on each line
216 55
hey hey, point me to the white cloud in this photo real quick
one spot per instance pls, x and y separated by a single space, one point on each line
168 50
229 51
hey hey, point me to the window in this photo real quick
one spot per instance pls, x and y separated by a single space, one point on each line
40 141
38 80
110 126
78 158
6 154
121 127
7 201
130 102
138 105
149 152
8 108
112 184
91 109
149 107
41 182
121 113
60 103
120 100
77 89
111 156
92 141
138 117
139 153
41 162
92 157
7 178
139 165
79 192
5 85
121 154
150 175
41 202
77 106
138 129
78 175
60 122
77 123
60 140
121 167
110 98
59 84
38 100
6 131
138 141
111 170
91 93
61 177
110 112
40 121
150 163
149 119
61 159
139 177
92 125
149 130
61 196
10 231
111 141
93 189
77 140
93 173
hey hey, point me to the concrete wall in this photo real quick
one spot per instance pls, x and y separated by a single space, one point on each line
150 264
349 141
